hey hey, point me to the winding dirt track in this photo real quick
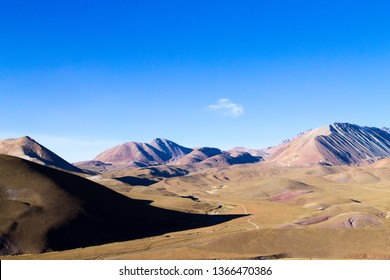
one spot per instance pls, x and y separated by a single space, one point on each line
249 220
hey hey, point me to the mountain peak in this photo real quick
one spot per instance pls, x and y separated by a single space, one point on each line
158 151
163 151
29 142
335 144
27 138
160 140
27 148
386 129
345 126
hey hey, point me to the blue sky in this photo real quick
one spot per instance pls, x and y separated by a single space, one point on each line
82 76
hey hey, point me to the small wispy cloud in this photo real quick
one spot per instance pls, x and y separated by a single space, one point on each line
227 108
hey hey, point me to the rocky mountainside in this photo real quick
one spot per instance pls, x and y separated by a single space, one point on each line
162 151
386 129
335 144
213 157
197 155
159 151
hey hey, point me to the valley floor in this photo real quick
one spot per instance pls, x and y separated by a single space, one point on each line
314 212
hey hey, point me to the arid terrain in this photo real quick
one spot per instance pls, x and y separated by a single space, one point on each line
324 194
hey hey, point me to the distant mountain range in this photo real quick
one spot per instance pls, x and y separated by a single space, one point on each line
163 151
334 144
159 151
46 209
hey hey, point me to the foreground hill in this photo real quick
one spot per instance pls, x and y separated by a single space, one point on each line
335 144
45 209
29 149
318 211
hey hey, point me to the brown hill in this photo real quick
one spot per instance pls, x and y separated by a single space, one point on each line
197 155
227 159
335 144
29 149
381 163
206 157
45 209
159 151
93 166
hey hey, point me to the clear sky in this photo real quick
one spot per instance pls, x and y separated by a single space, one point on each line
82 76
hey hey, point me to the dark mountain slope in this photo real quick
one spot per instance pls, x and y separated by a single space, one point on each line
45 209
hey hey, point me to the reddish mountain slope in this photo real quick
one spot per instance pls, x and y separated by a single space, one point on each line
159 151
335 144
162 151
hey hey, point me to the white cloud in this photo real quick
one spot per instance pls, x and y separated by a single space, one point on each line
227 108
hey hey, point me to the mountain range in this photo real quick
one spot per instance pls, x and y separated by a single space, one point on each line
320 182
334 144
163 151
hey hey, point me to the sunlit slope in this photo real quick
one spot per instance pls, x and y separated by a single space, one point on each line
27 148
329 197
335 144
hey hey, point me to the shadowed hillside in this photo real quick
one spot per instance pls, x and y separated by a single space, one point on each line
45 209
